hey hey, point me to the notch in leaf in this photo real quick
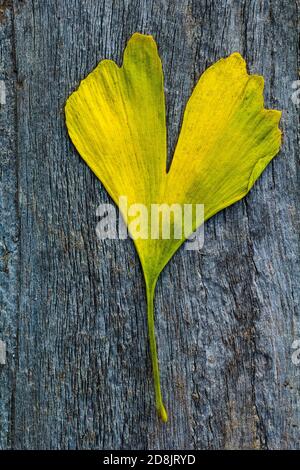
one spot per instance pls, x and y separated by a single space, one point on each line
116 120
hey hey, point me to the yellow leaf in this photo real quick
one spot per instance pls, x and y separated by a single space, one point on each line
116 119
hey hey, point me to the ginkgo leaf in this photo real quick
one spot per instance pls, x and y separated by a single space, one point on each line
116 119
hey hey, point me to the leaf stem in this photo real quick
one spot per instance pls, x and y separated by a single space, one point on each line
150 289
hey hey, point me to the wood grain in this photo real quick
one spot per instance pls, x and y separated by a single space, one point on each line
72 308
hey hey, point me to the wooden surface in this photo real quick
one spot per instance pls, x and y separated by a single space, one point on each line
72 308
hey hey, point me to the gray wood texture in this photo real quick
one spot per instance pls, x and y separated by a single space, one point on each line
72 308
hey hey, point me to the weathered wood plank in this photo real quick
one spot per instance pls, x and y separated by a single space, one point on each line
226 317
9 227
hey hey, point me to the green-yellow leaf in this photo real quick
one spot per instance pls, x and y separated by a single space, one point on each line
116 119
